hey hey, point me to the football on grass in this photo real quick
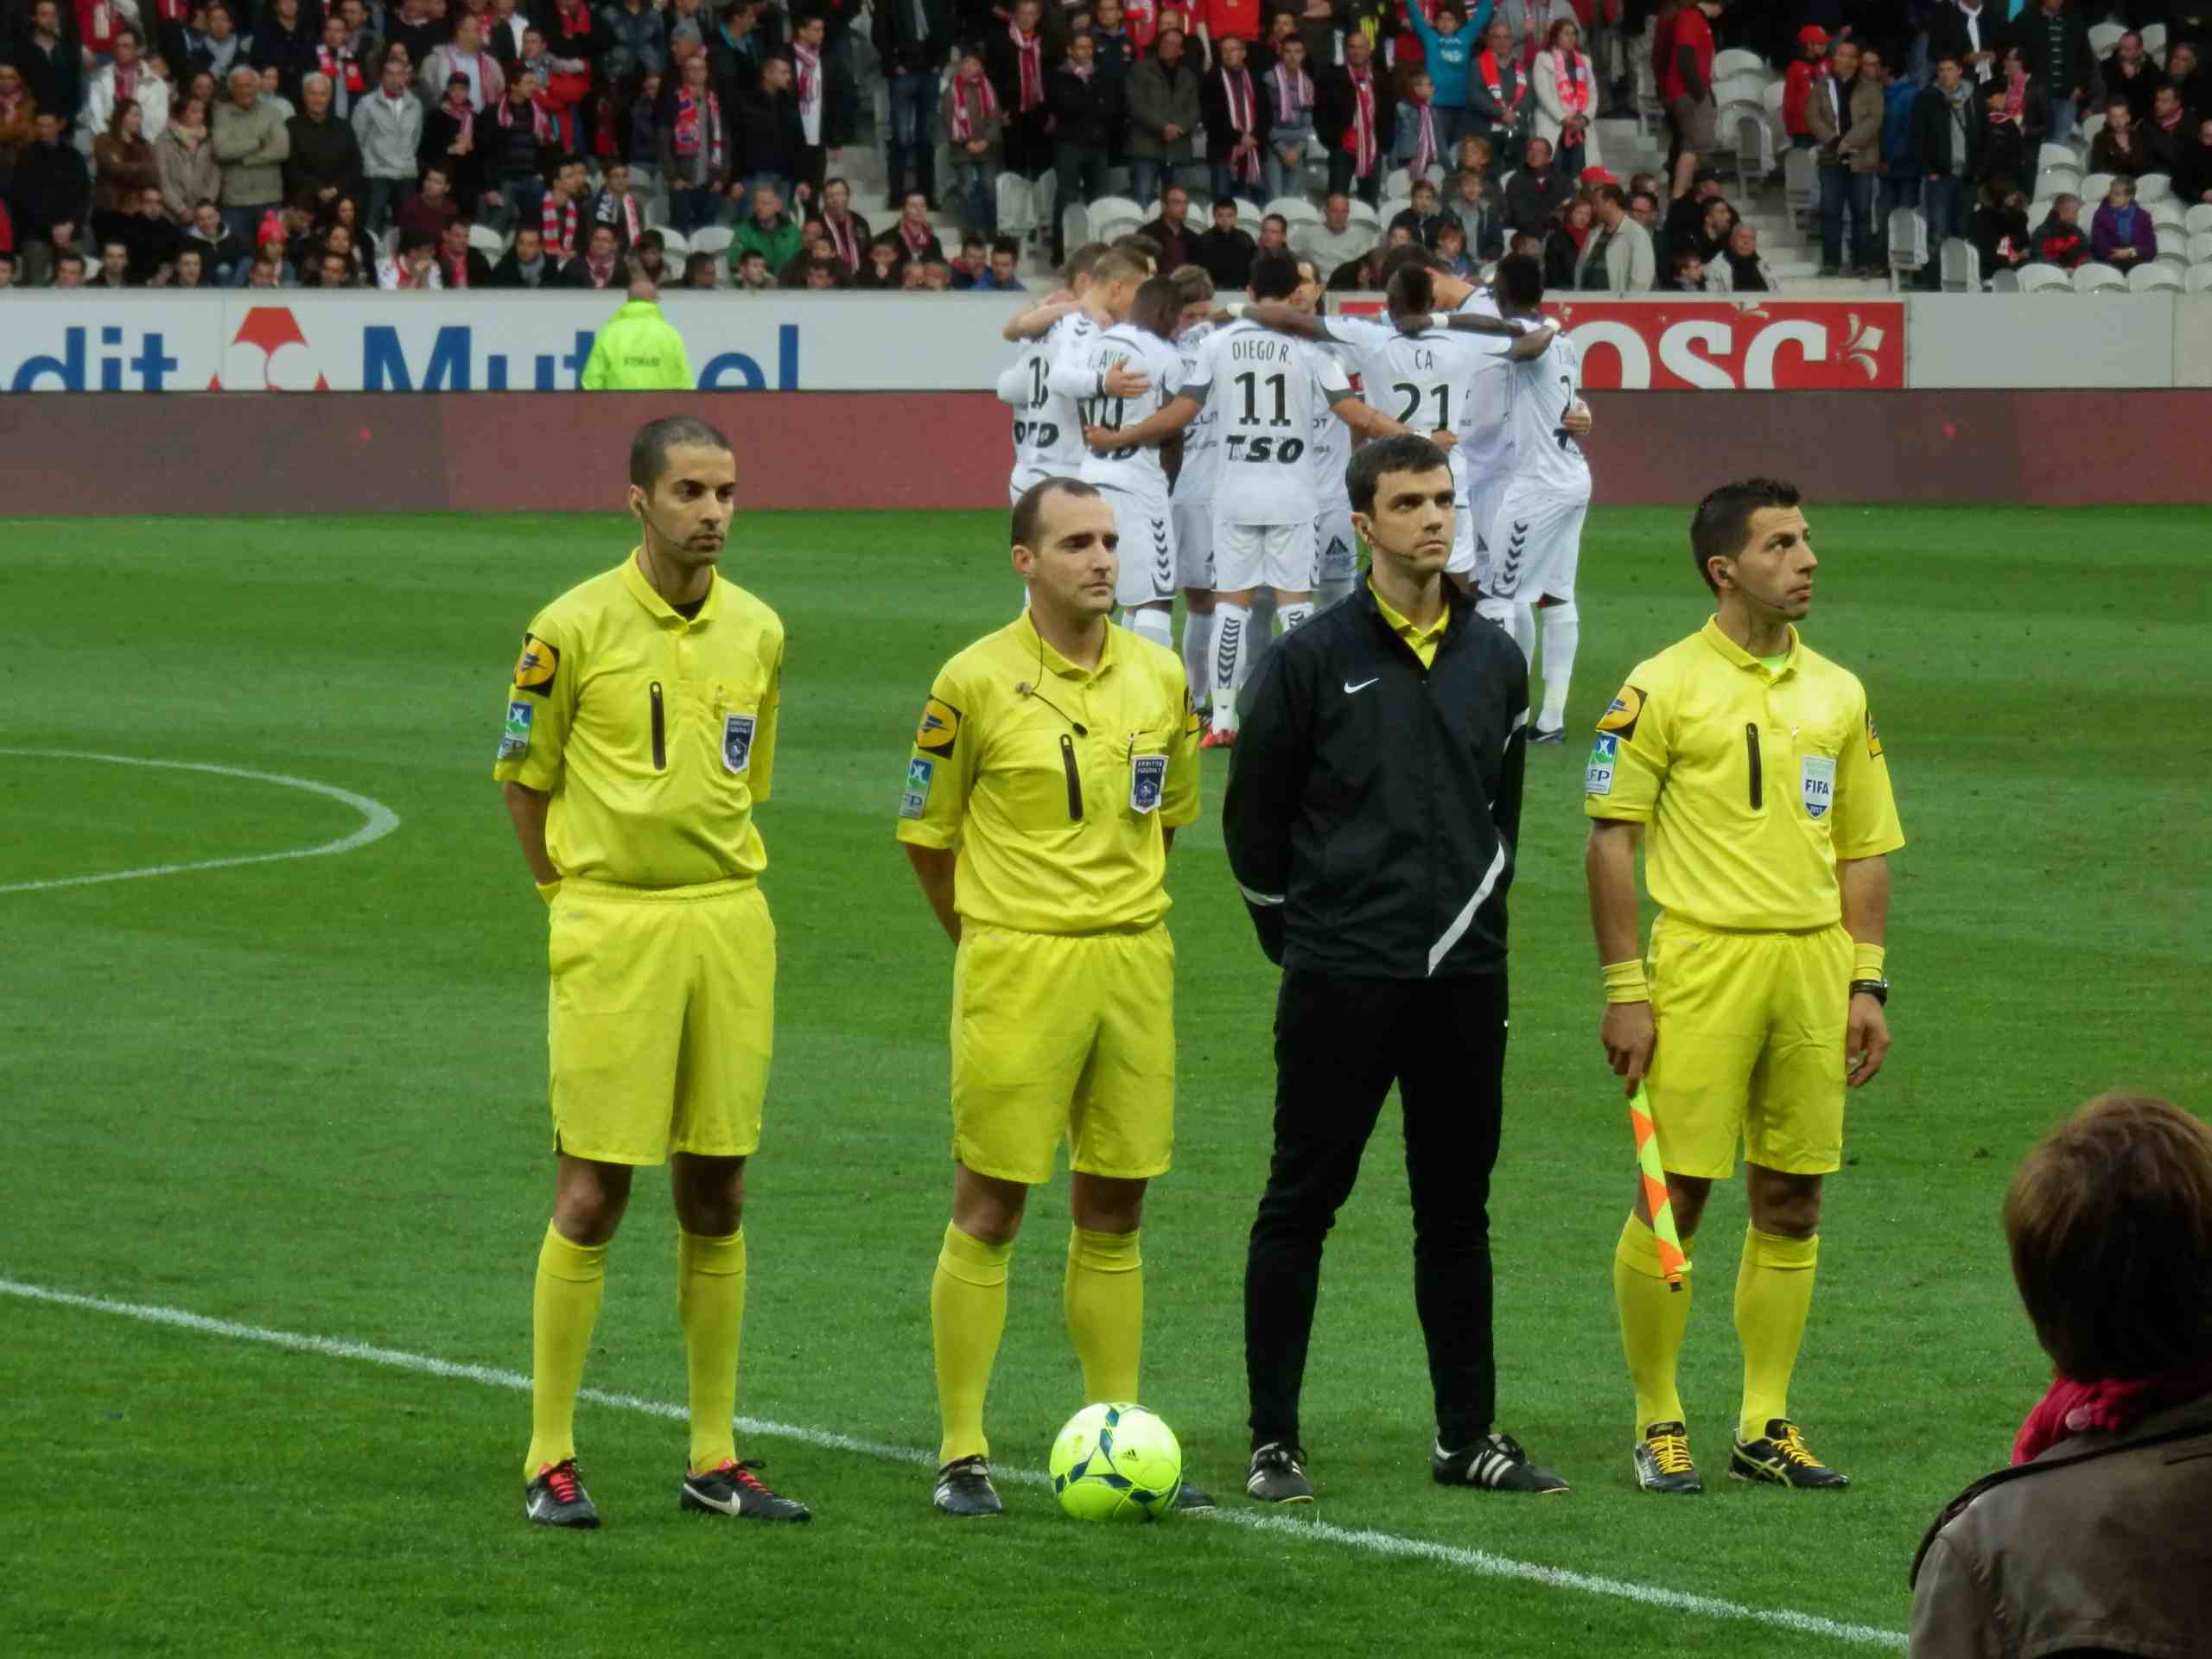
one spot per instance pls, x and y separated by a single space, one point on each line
1116 1463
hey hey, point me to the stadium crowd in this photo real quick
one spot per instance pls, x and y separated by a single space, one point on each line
446 143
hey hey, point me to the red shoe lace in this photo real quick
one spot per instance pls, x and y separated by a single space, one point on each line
561 1478
743 1475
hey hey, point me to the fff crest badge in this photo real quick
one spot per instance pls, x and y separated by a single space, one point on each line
737 742
1147 777
1818 781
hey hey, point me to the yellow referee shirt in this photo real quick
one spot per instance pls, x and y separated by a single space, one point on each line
1055 794
654 736
1754 781
1422 641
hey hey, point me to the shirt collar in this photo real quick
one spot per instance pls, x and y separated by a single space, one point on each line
644 593
1059 665
1732 652
1411 633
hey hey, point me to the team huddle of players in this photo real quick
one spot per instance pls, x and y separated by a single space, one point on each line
1219 434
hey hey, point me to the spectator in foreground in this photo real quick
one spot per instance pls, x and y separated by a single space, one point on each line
1741 269
2094 1542
1844 115
751 274
699 271
1357 119
879 271
2129 74
1538 191
1225 252
973 128
2119 146
2059 240
917 239
524 264
1421 216
1163 110
1689 274
251 145
1290 98
1567 98
52 185
1452 249
1948 129
1234 110
1336 239
1171 230
2122 235
639 349
2000 228
1562 247
768 232
2171 129
1617 256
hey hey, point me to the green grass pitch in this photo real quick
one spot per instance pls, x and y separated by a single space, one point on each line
309 1096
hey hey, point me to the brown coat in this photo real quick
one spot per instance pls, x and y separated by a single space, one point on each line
121 168
16 132
1864 135
2100 1543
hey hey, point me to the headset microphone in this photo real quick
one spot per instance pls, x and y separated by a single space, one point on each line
1023 688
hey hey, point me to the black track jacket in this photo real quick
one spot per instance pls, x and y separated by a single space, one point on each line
1373 804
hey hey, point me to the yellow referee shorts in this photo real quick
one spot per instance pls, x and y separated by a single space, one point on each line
1751 1045
1064 1035
661 1019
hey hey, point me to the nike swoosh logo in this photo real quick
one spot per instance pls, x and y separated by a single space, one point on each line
1349 688
537 1506
700 1498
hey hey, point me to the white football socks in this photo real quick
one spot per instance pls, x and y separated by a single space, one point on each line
1562 627
1232 628
1517 620
1326 593
1295 614
1198 655
1153 623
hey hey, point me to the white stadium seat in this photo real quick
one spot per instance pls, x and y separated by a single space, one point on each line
2091 126
2105 36
2038 212
2094 278
1908 242
1017 204
714 238
1367 218
2005 281
1739 89
1801 176
1113 216
2198 218
2058 155
1295 210
487 241
2198 280
2166 216
1076 225
2154 278
2063 181
673 243
1961 266
2154 187
2200 247
2044 279
2096 187
2154 42
1736 61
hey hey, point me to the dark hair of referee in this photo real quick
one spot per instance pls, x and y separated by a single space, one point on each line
1410 452
649 450
1723 519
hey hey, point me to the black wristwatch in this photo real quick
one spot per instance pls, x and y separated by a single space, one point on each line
1876 988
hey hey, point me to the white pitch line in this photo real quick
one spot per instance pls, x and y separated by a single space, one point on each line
1480 1562
378 820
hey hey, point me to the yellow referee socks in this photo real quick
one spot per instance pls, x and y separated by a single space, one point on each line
570 1280
710 1303
967 1314
1105 1308
1653 1319
1774 1293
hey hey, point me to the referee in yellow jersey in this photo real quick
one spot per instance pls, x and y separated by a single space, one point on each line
640 734
1055 760
1751 765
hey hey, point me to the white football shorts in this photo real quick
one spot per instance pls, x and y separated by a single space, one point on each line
1471 544
1536 545
1336 557
1146 550
1280 557
1193 544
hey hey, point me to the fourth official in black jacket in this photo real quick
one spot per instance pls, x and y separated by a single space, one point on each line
1373 807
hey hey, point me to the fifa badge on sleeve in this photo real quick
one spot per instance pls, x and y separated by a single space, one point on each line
1147 777
737 743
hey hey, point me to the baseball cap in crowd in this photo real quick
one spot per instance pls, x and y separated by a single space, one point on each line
1813 34
1597 176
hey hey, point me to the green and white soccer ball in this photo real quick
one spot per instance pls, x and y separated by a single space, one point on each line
1116 1462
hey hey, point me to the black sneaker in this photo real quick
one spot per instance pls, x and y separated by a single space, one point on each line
1555 734
964 1488
1277 1476
1663 1460
1780 1456
732 1488
1188 1496
557 1498
1495 1462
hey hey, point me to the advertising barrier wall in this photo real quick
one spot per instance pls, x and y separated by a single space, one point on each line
302 340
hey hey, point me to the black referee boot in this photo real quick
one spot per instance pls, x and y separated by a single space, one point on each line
1495 1463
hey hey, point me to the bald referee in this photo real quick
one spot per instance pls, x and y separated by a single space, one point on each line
640 733
1054 761
1749 766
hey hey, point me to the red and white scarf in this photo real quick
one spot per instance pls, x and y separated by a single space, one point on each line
809 62
1292 96
456 266
916 236
559 225
1573 83
541 125
842 240
126 82
1424 140
1237 85
986 105
173 11
403 275
341 66
1493 77
685 136
1029 53
628 223
1362 134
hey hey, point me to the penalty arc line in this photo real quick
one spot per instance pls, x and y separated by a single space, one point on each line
378 820
1480 1562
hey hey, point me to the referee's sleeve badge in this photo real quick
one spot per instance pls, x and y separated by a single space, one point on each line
1626 710
1873 738
939 729
536 667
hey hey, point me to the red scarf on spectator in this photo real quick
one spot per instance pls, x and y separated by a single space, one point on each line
560 227
1493 82
540 124
2116 1405
1573 82
405 277
2016 95
1237 84
986 103
1361 135
1292 96
100 23
916 236
1424 140
842 242
172 11
341 66
601 274
683 133
1142 21
1029 53
573 23
810 72
456 270
629 226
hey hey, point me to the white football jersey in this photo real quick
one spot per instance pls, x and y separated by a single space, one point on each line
1266 388
1201 438
1540 393
1424 381
1137 469
1331 455
1047 439
1485 440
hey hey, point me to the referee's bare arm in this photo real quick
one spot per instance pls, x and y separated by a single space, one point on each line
526 806
1627 1031
933 868
1864 885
